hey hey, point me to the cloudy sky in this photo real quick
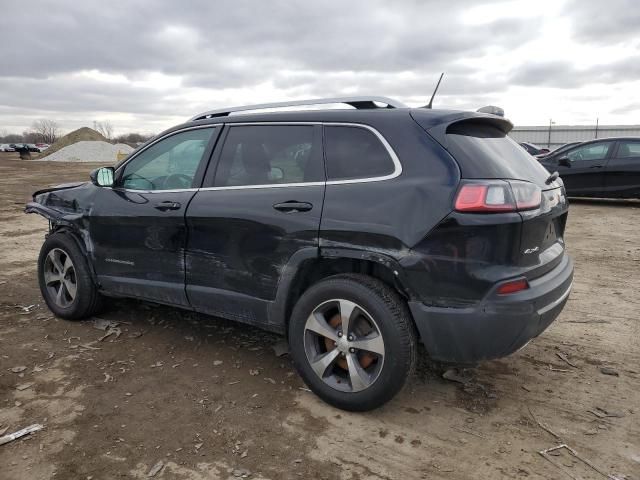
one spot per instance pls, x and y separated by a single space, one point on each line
145 65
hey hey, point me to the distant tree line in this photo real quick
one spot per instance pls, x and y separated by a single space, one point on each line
48 131
41 131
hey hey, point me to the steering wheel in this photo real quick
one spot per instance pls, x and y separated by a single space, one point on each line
177 180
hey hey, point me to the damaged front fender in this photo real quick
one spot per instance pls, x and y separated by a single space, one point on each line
68 208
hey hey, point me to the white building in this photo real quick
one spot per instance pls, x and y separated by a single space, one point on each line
557 135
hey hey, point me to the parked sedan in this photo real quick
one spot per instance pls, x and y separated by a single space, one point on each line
562 148
607 167
5 147
534 149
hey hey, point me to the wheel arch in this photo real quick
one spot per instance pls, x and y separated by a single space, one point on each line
306 268
80 238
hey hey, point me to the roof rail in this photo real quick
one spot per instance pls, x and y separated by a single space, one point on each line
357 102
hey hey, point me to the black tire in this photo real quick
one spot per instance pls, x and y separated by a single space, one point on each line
87 300
393 321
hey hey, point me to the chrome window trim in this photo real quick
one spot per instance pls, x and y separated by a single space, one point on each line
173 190
394 158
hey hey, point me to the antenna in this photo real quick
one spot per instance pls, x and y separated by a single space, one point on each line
430 104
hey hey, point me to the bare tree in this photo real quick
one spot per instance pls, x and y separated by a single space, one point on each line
104 128
47 131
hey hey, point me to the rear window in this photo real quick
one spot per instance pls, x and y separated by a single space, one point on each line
355 152
484 151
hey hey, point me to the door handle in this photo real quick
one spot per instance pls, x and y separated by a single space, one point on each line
167 205
595 166
292 206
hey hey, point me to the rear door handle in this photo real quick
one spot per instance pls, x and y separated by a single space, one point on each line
167 205
292 206
595 166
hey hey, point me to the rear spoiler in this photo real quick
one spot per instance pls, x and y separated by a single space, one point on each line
437 126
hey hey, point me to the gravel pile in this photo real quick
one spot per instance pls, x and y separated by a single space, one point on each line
87 151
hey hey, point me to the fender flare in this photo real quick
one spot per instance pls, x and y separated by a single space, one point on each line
277 310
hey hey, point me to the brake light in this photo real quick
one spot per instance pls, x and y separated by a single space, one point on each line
513 286
485 198
497 196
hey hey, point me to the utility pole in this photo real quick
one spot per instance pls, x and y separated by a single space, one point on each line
551 122
597 122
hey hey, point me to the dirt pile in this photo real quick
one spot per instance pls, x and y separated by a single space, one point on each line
79 135
90 151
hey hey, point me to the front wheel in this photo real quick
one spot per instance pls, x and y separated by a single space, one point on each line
65 280
353 341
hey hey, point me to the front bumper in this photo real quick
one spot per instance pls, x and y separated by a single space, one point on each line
498 325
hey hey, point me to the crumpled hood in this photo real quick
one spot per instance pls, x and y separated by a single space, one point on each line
62 186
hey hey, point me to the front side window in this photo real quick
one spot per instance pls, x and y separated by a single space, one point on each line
355 152
628 149
270 154
593 151
168 164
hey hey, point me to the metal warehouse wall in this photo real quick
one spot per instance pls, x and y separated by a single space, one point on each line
561 134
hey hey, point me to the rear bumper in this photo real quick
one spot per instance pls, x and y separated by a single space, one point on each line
499 324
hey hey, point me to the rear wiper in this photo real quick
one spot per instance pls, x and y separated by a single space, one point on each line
552 178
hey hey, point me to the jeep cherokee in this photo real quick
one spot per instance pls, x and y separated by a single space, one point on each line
356 232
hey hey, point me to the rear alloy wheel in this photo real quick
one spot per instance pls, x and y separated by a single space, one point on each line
353 341
344 345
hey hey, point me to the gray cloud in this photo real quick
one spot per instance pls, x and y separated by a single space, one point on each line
604 22
300 48
568 75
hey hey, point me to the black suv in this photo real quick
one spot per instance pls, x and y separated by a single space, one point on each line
356 232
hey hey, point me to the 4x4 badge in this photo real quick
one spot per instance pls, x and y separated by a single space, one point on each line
531 250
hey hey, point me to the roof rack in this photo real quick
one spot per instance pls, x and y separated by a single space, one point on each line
356 102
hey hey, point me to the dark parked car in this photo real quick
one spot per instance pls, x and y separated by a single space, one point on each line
355 232
561 148
534 149
607 167
27 147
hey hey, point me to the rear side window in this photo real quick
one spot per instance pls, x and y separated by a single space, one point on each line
485 151
270 154
355 152
628 149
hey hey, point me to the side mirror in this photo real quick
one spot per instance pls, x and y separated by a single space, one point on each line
276 174
564 161
102 177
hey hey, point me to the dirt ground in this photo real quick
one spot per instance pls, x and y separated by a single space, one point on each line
210 399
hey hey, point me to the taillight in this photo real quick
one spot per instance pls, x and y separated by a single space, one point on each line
497 196
512 286
527 195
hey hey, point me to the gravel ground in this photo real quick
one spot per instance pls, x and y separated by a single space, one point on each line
87 151
204 398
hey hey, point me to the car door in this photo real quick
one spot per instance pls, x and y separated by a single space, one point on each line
582 168
622 173
138 226
258 211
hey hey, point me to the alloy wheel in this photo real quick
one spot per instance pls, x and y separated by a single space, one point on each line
344 345
60 277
